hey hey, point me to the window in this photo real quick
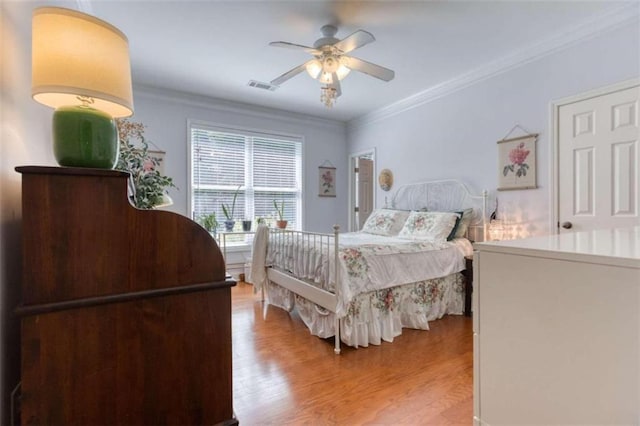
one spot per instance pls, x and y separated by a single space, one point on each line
261 167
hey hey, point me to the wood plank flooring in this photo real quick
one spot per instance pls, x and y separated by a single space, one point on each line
283 375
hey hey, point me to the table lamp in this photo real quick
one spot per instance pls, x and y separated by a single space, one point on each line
80 67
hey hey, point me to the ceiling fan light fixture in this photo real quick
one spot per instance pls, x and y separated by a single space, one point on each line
342 72
325 78
318 71
328 96
330 64
314 68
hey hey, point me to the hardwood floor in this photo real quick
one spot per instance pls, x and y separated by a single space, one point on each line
284 375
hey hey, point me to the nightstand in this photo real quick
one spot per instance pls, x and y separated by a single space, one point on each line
468 284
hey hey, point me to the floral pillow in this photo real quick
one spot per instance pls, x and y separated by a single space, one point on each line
434 226
385 222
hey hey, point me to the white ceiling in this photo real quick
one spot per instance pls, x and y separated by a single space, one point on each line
213 48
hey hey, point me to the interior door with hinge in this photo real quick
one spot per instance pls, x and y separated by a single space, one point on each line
365 190
361 188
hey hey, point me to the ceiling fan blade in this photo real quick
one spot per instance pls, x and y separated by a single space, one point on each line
291 73
336 84
368 68
288 45
354 41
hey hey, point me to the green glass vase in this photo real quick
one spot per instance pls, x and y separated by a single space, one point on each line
84 137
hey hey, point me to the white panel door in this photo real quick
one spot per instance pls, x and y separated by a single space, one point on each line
365 190
598 162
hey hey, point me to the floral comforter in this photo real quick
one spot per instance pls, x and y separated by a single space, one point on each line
368 263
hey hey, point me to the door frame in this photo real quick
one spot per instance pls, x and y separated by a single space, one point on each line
352 183
554 120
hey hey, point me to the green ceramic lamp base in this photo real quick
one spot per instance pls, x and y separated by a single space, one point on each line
84 137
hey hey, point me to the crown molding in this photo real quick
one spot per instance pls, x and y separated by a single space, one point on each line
597 25
223 105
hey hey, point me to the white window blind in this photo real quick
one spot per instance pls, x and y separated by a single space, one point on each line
264 167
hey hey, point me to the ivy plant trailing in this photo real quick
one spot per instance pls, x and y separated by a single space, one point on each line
148 183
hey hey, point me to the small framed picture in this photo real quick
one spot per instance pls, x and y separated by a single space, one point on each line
517 163
159 159
327 181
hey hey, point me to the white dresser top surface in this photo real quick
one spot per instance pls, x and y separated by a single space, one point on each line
619 246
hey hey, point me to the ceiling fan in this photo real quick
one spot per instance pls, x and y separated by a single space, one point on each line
330 62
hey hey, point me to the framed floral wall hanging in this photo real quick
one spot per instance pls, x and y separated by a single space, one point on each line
517 163
159 156
327 180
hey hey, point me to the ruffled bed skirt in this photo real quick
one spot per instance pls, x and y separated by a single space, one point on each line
379 315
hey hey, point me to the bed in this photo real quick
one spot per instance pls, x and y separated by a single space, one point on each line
402 270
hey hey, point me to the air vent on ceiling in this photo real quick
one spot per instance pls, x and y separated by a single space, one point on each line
261 85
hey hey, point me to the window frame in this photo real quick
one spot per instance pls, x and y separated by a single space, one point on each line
246 132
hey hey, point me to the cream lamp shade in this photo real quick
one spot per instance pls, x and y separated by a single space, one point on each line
314 68
80 67
74 54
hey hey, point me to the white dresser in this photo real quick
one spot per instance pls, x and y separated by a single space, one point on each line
557 329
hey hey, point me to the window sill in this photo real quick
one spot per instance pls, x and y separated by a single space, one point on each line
236 248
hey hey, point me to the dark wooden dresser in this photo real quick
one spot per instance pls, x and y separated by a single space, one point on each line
126 313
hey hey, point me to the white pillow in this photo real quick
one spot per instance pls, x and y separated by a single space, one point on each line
434 226
385 222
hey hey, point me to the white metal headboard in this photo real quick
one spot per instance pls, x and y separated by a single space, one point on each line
444 195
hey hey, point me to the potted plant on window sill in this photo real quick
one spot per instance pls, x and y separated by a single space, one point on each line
230 222
209 222
280 223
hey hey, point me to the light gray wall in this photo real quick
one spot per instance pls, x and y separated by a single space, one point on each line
166 116
455 136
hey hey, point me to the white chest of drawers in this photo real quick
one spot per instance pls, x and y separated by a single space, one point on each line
557 329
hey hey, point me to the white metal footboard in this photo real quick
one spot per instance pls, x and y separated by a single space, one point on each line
281 270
